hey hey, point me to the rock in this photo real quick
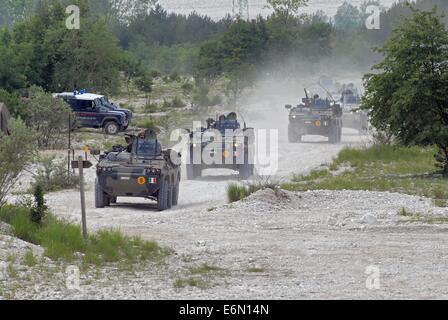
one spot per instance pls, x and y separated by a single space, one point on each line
369 219
5 229
332 221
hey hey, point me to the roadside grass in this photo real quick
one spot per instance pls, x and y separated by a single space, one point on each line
236 192
422 218
29 259
63 240
256 270
380 168
204 269
200 276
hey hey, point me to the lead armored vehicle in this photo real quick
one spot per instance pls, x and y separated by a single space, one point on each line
224 143
142 169
315 116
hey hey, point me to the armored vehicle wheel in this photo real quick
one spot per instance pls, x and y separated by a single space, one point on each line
113 200
111 128
176 193
169 202
162 197
101 199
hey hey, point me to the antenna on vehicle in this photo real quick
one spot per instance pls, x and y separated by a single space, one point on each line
328 92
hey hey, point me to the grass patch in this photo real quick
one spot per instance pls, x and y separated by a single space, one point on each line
421 218
236 192
29 259
64 241
204 269
380 168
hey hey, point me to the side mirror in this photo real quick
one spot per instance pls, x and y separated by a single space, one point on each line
288 107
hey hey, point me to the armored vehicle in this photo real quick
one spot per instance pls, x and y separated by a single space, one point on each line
353 117
222 144
95 111
142 169
315 116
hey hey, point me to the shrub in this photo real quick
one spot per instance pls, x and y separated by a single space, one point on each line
177 102
38 211
151 108
53 175
187 87
17 151
236 192
48 116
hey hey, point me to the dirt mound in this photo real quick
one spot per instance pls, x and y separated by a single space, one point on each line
267 200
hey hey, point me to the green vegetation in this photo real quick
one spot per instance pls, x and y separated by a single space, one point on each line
406 95
63 240
29 259
52 175
256 270
418 217
204 269
236 192
17 151
380 168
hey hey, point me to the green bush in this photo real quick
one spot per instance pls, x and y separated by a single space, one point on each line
151 108
53 175
236 192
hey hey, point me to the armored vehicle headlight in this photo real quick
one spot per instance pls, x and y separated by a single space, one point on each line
236 145
294 117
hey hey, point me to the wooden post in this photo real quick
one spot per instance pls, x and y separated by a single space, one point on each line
83 197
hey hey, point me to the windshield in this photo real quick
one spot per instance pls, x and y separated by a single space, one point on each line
105 102
148 148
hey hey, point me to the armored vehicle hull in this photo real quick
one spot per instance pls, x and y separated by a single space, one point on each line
222 145
131 174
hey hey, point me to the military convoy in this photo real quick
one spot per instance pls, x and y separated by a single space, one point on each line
315 116
222 144
141 169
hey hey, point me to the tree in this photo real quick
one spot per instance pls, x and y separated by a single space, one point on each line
145 83
239 79
406 95
17 151
348 17
48 116
286 8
